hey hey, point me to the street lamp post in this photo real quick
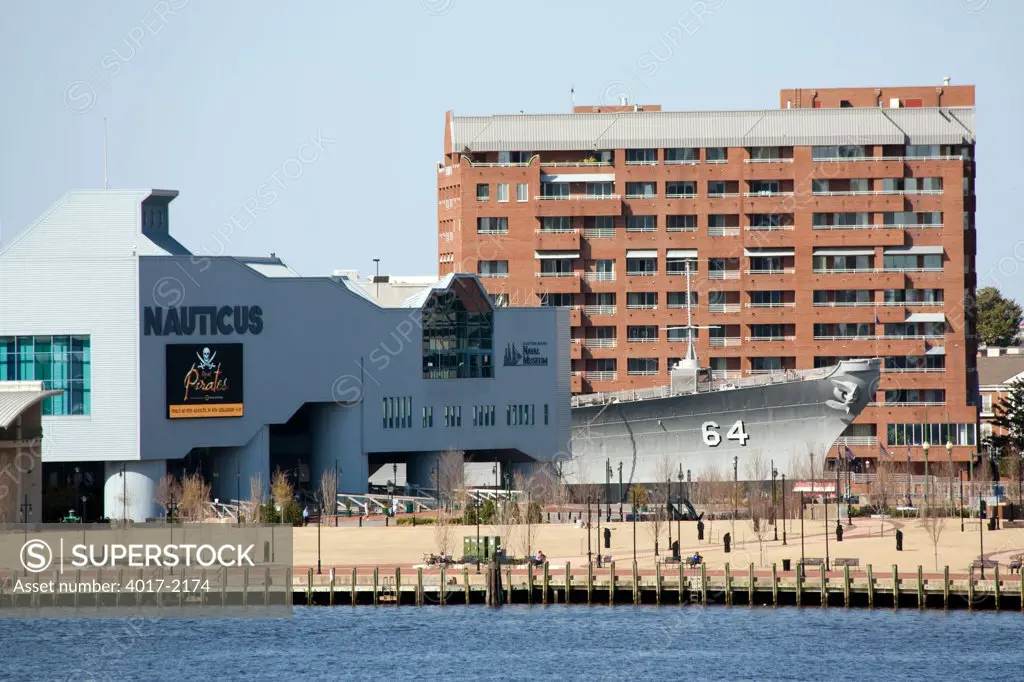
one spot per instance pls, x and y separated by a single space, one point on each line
961 504
775 520
949 454
376 277
476 499
735 494
981 538
633 502
620 492
319 522
607 491
590 555
336 482
391 502
783 508
668 510
124 494
802 510
597 538
679 517
926 446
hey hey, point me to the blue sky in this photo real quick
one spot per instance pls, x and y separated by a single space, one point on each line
214 98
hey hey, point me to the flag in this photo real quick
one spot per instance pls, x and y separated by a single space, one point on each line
849 454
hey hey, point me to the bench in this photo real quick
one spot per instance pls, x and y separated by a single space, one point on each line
847 562
988 563
813 561
1015 563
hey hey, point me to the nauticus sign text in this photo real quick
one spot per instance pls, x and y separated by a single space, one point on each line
202 320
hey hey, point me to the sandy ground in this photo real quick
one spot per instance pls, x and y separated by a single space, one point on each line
872 541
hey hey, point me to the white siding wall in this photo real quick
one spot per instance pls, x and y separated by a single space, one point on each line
52 281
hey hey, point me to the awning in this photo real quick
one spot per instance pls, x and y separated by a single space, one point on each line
555 255
768 252
926 317
681 253
18 396
578 177
912 250
938 350
839 251
636 253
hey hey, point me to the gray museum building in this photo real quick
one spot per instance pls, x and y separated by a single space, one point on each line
170 362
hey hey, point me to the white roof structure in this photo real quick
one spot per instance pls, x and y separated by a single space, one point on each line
18 396
764 128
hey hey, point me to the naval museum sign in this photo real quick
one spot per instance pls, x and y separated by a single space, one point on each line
526 353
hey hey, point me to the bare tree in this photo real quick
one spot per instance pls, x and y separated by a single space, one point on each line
281 490
933 522
450 478
712 490
758 505
252 508
195 498
885 488
506 519
328 492
527 513
658 496
168 493
443 532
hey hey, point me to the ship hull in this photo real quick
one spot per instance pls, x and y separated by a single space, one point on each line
782 423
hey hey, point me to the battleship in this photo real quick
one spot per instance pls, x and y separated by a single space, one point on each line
697 421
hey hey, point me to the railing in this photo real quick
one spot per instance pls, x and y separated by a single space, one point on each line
789 160
723 307
771 372
845 271
844 304
599 309
682 162
716 161
722 195
499 164
642 372
599 232
847 337
771 271
911 226
642 306
841 159
724 341
493 231
487 275
764 193
645 228
558 274
641 163
912 370
876 192
599 343
681 229
921 403
911 270
641 196
864 226
559 230
599 376
598 276
843 441
771 338
723 274
576 197
641 273
912 337
955 157
642 339
906 303
786 304
683 195
574 164
769 228
723 231
725 374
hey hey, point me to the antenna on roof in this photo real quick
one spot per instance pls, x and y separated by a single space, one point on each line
106 185
572 97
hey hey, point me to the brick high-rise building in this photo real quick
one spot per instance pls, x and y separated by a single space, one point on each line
840 225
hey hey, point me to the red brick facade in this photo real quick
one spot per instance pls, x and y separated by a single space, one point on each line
738 305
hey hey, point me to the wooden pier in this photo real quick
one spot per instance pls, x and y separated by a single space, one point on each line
666 585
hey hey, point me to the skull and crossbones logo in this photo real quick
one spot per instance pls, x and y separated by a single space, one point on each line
206 359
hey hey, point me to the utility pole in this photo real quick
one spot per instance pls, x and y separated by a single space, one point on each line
784 508
620 492
590 557
775 520
597 540
376 277
607 490
634 522
735 493
802 510
679 517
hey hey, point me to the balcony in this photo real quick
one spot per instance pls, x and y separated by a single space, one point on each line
913 226
726 374
847 167
599 376
687 195
598 276
642 372
723 274
576 349
576 382
642 306
913 370
845 304
843 441
858 235
574 164
723 307
724 341
599 232
558 240
855 202
767 194
599 310
770 338
681 229
642 196
770 228
788 304
644 339
492 275
723 231
575 316
770 271
920 403
558 282
599 343
579 205
767 169
557 274
641 273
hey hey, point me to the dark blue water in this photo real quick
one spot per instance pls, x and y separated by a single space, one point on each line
552 643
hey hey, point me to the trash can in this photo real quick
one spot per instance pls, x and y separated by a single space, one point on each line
787 564
992 522
727 540
675 550
408 507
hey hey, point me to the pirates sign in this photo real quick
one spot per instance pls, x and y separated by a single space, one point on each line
204 380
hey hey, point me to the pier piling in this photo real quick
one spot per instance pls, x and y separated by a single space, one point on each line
871 588
545 583
920 587
945 587
568 582
775 586
353 593
465 582
895 587
376 585
636 587
750 585
419 587
728 586
703 585
611 585
995 584
846 586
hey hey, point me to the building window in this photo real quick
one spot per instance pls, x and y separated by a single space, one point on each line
492 225
558 224
556 300
483 192
397 412
641 190
60 362
483 415
545 415
641 157
986 403
934 434
641 267
502 191
680 266
597 190
837 152
681 223
642 300
519 415
522 191
642 333
498 300
641 223
428 417
492 268
642 366
716 155
458 337
682 155
452 416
